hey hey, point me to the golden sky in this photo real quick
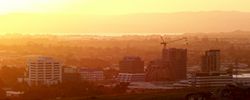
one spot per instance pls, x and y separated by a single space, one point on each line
120 6
34 16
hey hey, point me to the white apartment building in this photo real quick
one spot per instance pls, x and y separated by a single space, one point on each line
43 71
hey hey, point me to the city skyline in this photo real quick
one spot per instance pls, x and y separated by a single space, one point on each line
124 50
92 65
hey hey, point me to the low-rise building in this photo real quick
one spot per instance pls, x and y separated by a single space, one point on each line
88 74
211 79
243 79
14 93
70 75
131 64
131 77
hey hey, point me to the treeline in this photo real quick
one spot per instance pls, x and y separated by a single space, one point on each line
104 52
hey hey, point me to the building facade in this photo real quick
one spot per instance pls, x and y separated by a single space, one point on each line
131 65
70 75
131 77
157 71
87 74
211 61
176 61
211 79
171 67
44 71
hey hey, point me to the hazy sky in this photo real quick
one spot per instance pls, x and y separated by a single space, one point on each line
120 6
65 16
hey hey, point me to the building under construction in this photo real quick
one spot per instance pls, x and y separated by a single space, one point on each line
171 67
157 71
176 61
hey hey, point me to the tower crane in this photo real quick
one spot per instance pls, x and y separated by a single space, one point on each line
164 43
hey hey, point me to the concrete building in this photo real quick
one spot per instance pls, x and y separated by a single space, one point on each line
131 65
14 94
70 75
171 67
131 77
87 74
211 79
243 79
44 71
157 71
211 61
176 61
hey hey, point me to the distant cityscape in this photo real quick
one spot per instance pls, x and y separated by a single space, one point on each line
174 69
124 50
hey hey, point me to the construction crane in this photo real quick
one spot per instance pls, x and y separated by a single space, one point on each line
164 43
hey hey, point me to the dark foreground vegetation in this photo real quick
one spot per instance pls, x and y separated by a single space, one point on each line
153 96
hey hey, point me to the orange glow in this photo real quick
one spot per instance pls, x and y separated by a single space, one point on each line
28 16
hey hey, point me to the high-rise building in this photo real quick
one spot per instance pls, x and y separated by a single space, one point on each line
157 71
176 61
211 61
171 67
44 71
131 65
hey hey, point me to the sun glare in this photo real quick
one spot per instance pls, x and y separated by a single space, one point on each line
13 6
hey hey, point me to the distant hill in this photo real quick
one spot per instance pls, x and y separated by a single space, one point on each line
233 34
213 21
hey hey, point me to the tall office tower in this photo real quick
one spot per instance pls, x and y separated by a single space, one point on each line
211 61
176 61
44 71
131 65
